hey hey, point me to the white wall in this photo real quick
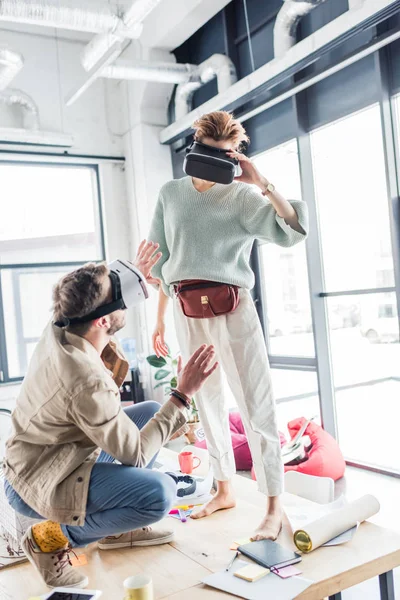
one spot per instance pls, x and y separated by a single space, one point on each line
52 68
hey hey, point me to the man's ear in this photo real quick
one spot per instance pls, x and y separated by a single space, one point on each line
102 322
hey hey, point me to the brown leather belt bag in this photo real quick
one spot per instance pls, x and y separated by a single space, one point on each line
206 299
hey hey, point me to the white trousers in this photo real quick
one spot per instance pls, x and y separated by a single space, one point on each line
240 349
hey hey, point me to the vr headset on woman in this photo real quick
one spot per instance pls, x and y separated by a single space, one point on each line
209 163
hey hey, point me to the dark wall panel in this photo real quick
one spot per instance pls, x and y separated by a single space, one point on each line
351 89
263 50
271 127
320 16
394 53
258 11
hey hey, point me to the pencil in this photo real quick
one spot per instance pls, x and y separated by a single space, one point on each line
232 561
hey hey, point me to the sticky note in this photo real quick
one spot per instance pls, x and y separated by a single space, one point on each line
242 541
286 572
234 546
79 560
251 572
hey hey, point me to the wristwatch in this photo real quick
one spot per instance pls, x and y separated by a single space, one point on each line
269 189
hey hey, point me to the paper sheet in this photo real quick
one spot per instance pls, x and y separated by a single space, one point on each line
270 586
301 512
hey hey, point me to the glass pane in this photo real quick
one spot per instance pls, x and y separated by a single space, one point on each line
49 214
285 269
349 175
296 394
27 297
366 369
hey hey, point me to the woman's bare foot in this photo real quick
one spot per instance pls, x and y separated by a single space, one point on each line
223 499
271 524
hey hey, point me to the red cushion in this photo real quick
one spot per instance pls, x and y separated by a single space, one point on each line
240 445
325 457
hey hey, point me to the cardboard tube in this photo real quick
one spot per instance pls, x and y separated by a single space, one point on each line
337 522
138 587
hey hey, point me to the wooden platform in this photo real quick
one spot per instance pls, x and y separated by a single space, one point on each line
202 547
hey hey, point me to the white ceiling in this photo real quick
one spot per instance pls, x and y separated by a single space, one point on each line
168 26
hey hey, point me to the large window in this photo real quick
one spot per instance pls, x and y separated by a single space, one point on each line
287 307
50 223
352 202
284 270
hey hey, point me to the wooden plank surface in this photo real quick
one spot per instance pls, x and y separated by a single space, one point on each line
202 547
170 570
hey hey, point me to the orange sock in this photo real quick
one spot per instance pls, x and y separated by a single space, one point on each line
49 536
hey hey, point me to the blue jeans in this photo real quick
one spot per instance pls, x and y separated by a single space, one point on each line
120 498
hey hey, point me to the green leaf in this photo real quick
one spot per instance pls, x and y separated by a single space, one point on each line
161 374
174 382
156 361
161 384
175 362
167 391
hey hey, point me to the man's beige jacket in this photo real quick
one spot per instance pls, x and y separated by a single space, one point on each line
69 407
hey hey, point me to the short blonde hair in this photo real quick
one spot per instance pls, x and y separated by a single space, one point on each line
220 125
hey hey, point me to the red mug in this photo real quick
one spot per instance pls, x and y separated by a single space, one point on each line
186 462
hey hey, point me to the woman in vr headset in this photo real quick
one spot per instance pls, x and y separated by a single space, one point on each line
206 225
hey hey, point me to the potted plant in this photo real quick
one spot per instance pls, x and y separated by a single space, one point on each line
166 375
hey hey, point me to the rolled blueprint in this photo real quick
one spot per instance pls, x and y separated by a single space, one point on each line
326 528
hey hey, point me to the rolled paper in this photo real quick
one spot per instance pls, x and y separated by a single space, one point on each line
138 587
335 523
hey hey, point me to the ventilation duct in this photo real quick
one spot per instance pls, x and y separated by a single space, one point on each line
10 65
30 110
219 66
286 23
76 16
147 71
188 77
132 21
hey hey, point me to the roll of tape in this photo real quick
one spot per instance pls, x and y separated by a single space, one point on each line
138 587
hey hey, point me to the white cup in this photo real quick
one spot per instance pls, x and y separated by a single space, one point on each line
138 587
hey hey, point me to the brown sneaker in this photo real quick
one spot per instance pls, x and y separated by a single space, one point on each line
139 537
55 567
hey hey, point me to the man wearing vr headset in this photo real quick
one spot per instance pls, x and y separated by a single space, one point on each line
206 225
69 429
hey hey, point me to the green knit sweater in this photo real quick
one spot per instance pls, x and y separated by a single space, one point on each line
209 235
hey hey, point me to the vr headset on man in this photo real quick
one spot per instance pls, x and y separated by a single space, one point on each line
128 287
209 163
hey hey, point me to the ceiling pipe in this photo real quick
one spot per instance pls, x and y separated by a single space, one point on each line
132 20
31 111
10 65
219 66
147 71
76 16
286 23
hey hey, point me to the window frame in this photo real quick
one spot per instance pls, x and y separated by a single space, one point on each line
5 379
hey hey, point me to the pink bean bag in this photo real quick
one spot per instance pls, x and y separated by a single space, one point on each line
325 459
240 444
